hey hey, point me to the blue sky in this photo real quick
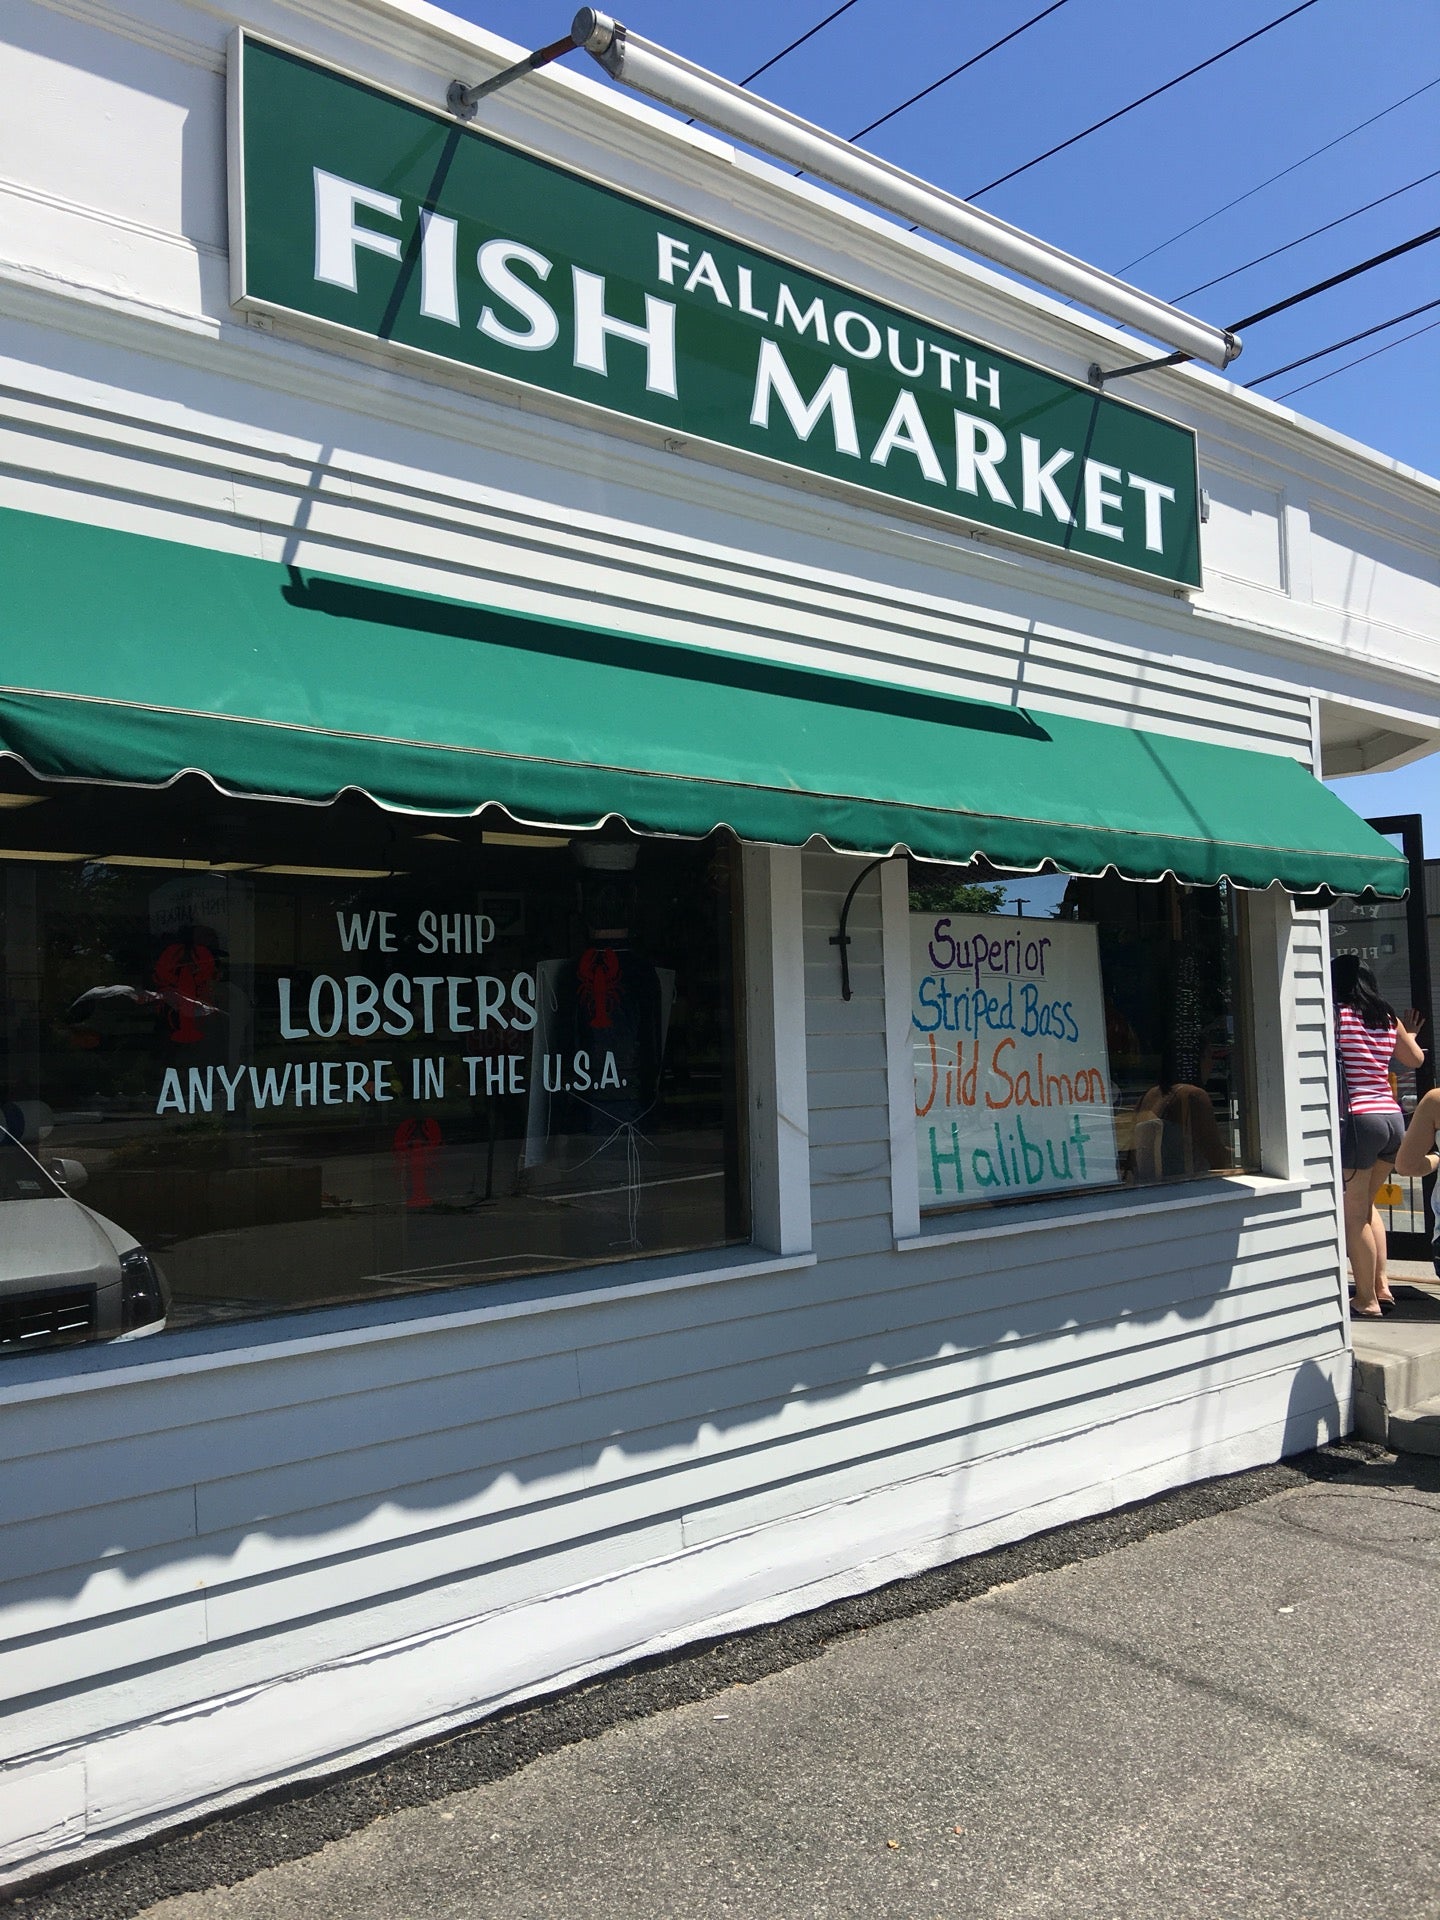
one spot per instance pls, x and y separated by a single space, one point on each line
1129 190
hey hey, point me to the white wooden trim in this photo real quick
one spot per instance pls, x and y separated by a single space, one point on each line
663 1275
1271 930
1235 1187
235 162
895 943
1332 1088
1295 548
778 1101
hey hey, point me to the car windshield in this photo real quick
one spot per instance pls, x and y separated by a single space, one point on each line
22 1178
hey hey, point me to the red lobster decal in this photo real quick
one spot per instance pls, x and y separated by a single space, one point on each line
417 1141
182 973
599 971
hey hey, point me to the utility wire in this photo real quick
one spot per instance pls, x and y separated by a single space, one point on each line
1335 280
776 58
1145 98
964 67
1283 306
1294 167
1336 345
1359 360
1275 252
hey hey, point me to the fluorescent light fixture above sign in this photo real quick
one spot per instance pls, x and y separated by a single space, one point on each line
534 842
665 76
171 862
333 873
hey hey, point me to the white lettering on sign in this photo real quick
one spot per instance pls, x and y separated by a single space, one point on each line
1153 493
705 273
832 396
674 257
893 354
906 430
337 236
746 278
990 381
439 293
354 1006
453 932
948 363
403 1003
595 328
497 261
352 218
1037 482
787 313
1100 500
868 345
980 446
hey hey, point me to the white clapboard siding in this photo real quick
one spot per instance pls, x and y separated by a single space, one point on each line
489 531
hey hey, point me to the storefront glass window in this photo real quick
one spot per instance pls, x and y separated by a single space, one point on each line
1073 1034
286 1057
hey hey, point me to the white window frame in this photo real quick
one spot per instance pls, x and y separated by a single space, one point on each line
1270 941
777 1096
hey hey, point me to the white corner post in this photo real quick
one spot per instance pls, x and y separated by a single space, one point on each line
899 1067
778 1098
1275 939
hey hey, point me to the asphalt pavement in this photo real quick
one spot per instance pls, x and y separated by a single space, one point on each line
1223 1703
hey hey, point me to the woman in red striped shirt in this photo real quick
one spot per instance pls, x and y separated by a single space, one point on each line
1368 1038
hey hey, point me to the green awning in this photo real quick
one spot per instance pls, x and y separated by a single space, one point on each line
132 659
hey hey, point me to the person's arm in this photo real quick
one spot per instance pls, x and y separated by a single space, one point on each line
1408 1051
1417 1155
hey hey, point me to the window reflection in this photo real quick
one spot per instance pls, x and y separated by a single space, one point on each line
307 1056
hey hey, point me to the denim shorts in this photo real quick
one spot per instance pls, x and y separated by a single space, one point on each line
1368 1137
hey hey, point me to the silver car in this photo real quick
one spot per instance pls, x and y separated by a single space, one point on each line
67 1274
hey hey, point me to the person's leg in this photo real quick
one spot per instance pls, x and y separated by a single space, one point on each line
1360 1240
1380 1174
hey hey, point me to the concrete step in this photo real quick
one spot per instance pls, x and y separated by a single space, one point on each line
1397 1365
1415 1429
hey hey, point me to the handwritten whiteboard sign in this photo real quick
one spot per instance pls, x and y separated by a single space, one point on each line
1012 1072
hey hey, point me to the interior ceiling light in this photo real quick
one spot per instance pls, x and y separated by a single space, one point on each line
169 861
665 76
42 853
536 840
332 873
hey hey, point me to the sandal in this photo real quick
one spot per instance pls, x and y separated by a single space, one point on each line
1358 1312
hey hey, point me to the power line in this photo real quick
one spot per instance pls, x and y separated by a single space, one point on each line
1282 306
1336 345
1294 167
1145 98
964 67
775 59
1359 360
1335 280
1290 245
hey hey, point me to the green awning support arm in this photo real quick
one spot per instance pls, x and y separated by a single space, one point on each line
842 938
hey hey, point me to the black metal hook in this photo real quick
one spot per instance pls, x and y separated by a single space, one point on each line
842 938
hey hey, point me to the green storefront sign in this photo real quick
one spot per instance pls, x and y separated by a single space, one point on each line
356 208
